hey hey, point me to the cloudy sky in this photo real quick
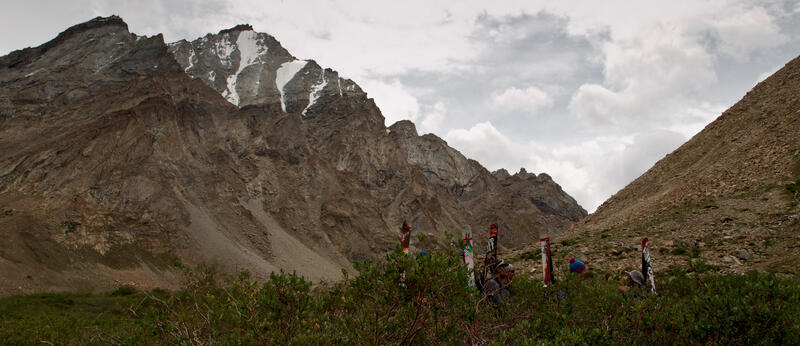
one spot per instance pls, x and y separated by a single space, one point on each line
591 92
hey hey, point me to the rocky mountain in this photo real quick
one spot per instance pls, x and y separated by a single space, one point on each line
728 195
250 68
501 193
124 155
243 56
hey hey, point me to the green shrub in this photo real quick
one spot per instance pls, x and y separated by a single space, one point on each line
682 250
531 255
417 300
124 290
679 251
69 226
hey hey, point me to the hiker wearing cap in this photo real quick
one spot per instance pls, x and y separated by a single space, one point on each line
634 283
576 266
498 281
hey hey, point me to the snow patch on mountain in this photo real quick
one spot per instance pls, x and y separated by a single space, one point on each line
286 73
224 48
249 53
316 90
192 59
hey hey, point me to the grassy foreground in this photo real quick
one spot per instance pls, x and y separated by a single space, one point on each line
414 300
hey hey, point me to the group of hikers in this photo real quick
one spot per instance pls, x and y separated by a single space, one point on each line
495 278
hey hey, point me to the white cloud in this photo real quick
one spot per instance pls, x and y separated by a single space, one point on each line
395 100
484 143
529 100
648 79
597 105
433 118
590 170
743 31
366 38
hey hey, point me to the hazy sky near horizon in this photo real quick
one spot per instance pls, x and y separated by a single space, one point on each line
592 93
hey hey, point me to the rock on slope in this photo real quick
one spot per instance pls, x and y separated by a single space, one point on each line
728 195
117 163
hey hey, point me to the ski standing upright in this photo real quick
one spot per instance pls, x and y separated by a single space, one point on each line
547 262
491 252
466 237
405 237
647 266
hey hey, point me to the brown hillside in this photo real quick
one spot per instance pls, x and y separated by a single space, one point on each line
728 195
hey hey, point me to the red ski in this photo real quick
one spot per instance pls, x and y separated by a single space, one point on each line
405 237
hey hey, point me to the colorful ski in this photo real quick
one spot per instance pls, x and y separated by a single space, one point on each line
405 237
491 249
647 266
547 262
466 237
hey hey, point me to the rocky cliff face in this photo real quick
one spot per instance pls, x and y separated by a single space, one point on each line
250 68
123 155
533 197
355 141
728 195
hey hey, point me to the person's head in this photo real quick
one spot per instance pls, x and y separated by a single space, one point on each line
493 226
406 226
635 277
571 259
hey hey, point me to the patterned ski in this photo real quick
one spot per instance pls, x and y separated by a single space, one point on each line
547 262
405 237
647 266
491 249
466 237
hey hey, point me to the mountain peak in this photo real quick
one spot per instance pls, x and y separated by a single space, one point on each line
94 23
404 129
112 20
239 27
24 56
251 68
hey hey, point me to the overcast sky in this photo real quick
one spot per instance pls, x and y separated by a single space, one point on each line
591 92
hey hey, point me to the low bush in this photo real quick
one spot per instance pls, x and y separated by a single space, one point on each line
417 300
